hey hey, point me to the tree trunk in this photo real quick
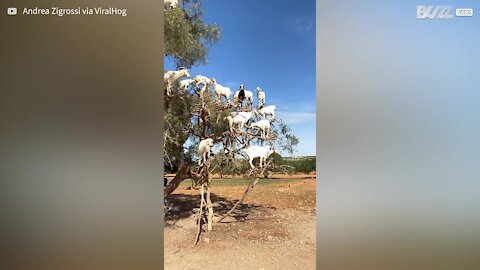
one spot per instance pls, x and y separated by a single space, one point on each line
182 174
210 209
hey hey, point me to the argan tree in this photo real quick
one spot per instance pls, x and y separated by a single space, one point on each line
191 117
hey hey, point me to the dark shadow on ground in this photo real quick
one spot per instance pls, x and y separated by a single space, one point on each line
185 206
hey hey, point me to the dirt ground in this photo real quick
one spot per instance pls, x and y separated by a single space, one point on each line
274 228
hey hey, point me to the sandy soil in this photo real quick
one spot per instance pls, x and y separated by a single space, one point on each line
273 229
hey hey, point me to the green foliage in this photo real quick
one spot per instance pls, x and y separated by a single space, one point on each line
285 140
186 122
222 165
297 165
177 118
188 118
277 159
187 36
184 125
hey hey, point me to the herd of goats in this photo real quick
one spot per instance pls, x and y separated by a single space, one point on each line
237 120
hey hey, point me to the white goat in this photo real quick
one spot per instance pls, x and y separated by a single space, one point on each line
184 84
170 77
248 97
171 3
261 97
200 79
239 119
246 115
264 126
204 150
221 91
262 152
264 111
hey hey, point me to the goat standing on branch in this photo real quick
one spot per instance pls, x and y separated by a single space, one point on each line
238 119
184 84
171 3
204 150
241 95
264 111
261 97
262 152
221 91
170 77
202 80
264 126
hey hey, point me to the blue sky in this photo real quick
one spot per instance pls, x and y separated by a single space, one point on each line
271 44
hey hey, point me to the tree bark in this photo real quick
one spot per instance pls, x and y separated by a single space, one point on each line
210 209
182 174
199 219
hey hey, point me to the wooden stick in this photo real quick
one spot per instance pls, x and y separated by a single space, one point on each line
199 219
249 188
209 208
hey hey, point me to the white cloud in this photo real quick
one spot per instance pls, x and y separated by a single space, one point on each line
307 106
295 118
303 27
301 24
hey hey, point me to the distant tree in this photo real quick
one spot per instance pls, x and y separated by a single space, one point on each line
301 165
277 159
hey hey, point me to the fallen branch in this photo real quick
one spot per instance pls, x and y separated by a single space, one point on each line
250 187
